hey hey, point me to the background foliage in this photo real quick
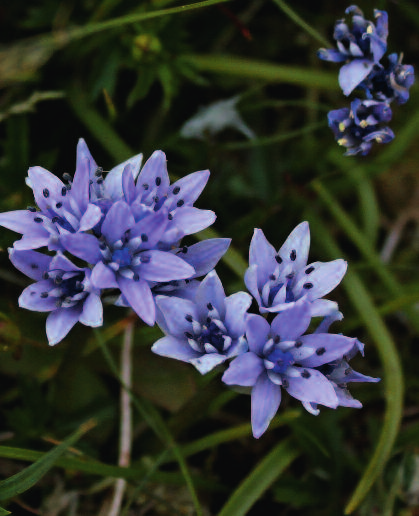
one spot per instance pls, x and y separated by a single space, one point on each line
126 76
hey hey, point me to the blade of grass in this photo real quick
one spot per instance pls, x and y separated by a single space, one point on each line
260 479
304 25
393 387
247 68
28 477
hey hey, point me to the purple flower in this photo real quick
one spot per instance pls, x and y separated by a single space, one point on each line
360 47
204 331
362 125
153 190
281 356
391 83
61 288
125 256
278 279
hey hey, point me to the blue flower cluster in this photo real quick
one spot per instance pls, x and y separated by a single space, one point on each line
125 229
270 350
361 47
126 225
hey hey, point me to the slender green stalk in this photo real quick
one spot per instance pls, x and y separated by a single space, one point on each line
393 374
304 25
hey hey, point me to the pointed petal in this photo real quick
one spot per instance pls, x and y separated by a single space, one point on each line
60 322
140 298
31 263
292 323
113 180
257 332
323 307
262 254
92 314
31 298
118 219
20 221
324 277
314 389
188 188
103 276
251 282
128 185
153 225
85 164
244 370
164 266
207 362
327 348
46 187
59 261
90 218
296 246
353 73
82 245
154 171
174 311
190 220
210 291
32 241
266 398
174 348
205 255
236 307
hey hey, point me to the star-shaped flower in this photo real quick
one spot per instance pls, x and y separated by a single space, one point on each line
278 279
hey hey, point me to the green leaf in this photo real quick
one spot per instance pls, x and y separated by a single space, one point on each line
25 479
260 479
3 512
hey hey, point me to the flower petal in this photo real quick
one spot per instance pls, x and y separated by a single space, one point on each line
118 219
154 171
82 245
296 246
266 398
312 387
205 255
140 298
207 362
92 314
174 311
20 221
31 263
262 254
323 278
60 322
31 297
113 180
328 347
236 307
292 323
90 218
173 347
257 332
244 370
46 187
210 291
353 73
103 276
164 266
191 220
188 188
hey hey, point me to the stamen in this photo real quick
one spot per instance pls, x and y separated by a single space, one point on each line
305 374
45 193
158 181
278 259
320 351
188 317
31 208
298 344
309 270
308 286
293 255
38 219
176 190
59 204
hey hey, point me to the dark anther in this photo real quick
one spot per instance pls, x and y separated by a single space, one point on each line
272 277
309 270
278 258
210 307
91 182
145 259
59 205
208 320
285 383
34 266
145 186
290 275
158 181
170 216
66 177
180 203
298 344
55 219
308 286
156 199
68 187
176 190
188 335
320 351
31 208
45 193
58 280
99 181
187 281
45 275
44 295
99 171
136 277
305 374
102 246
277 339
144 237
348 370
38 219
293 255
63 191
188 317
184 249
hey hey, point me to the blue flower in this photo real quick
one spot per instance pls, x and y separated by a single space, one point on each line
204 331
360 47
125 256
278 279
153 190
391 83
281 356
360 126
61 288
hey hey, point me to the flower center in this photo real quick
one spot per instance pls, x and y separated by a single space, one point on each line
281 359
213 335
122 257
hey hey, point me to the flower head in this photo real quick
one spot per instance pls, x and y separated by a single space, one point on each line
281 356
61 288
360 47
204 331
360 126
278 279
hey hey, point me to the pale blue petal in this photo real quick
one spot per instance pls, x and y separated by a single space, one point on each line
82 245
92 314
205 255
140 298
262 254
296 246
207 362
244 370
314 389
257 332
210 291
174 311
292 323
190 220
236 307
329 347
29 262
266 398
103 276
353 73
164 266
172 347
118 219
60 322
